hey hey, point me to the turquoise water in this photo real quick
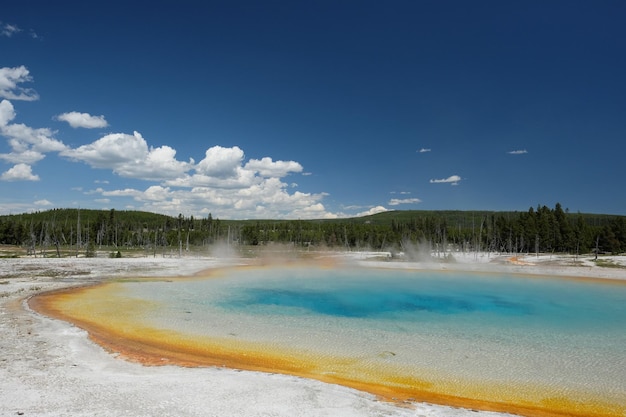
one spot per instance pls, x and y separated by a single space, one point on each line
410 298
552 331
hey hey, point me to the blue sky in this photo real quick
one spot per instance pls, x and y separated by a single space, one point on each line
312 109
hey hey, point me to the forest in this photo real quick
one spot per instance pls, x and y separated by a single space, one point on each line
63 232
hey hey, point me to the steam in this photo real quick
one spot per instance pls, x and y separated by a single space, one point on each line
422 251
224 250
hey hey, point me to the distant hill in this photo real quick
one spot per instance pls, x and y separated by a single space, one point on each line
71 215
401 216
451 217
455 217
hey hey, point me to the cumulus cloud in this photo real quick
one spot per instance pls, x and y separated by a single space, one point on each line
23 137
111 151
423 150
126 192
241 178
453 180
221 182
221 162
129 156
518 152
26 157
28 145
84 120
7 112
19 172
42 203
398 201
9 80
156 193
224 167
267 198
373 210
268 168
263 198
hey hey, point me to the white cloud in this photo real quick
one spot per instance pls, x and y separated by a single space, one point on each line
453 180
423 150
127 192
266 198
23 137
220 168
96 191
129 156
241 178
224 168
85 120
221 162
9 30
314 211
111 151
268 168
373 210
518 152
9 80
397 201
28 145
26 157
42 203
222 181
156 193
19 172
7 112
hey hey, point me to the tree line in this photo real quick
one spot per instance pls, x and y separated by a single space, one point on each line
539 229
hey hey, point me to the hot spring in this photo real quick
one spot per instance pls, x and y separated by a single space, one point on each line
530 345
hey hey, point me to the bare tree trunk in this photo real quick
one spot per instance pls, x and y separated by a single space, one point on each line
78 242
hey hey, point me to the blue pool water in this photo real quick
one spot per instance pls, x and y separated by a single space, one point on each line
401 300
565 334
417 296
370 298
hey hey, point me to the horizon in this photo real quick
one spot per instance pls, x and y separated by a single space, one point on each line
291 110
565 210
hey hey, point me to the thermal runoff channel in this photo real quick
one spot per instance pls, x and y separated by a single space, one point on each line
532 345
